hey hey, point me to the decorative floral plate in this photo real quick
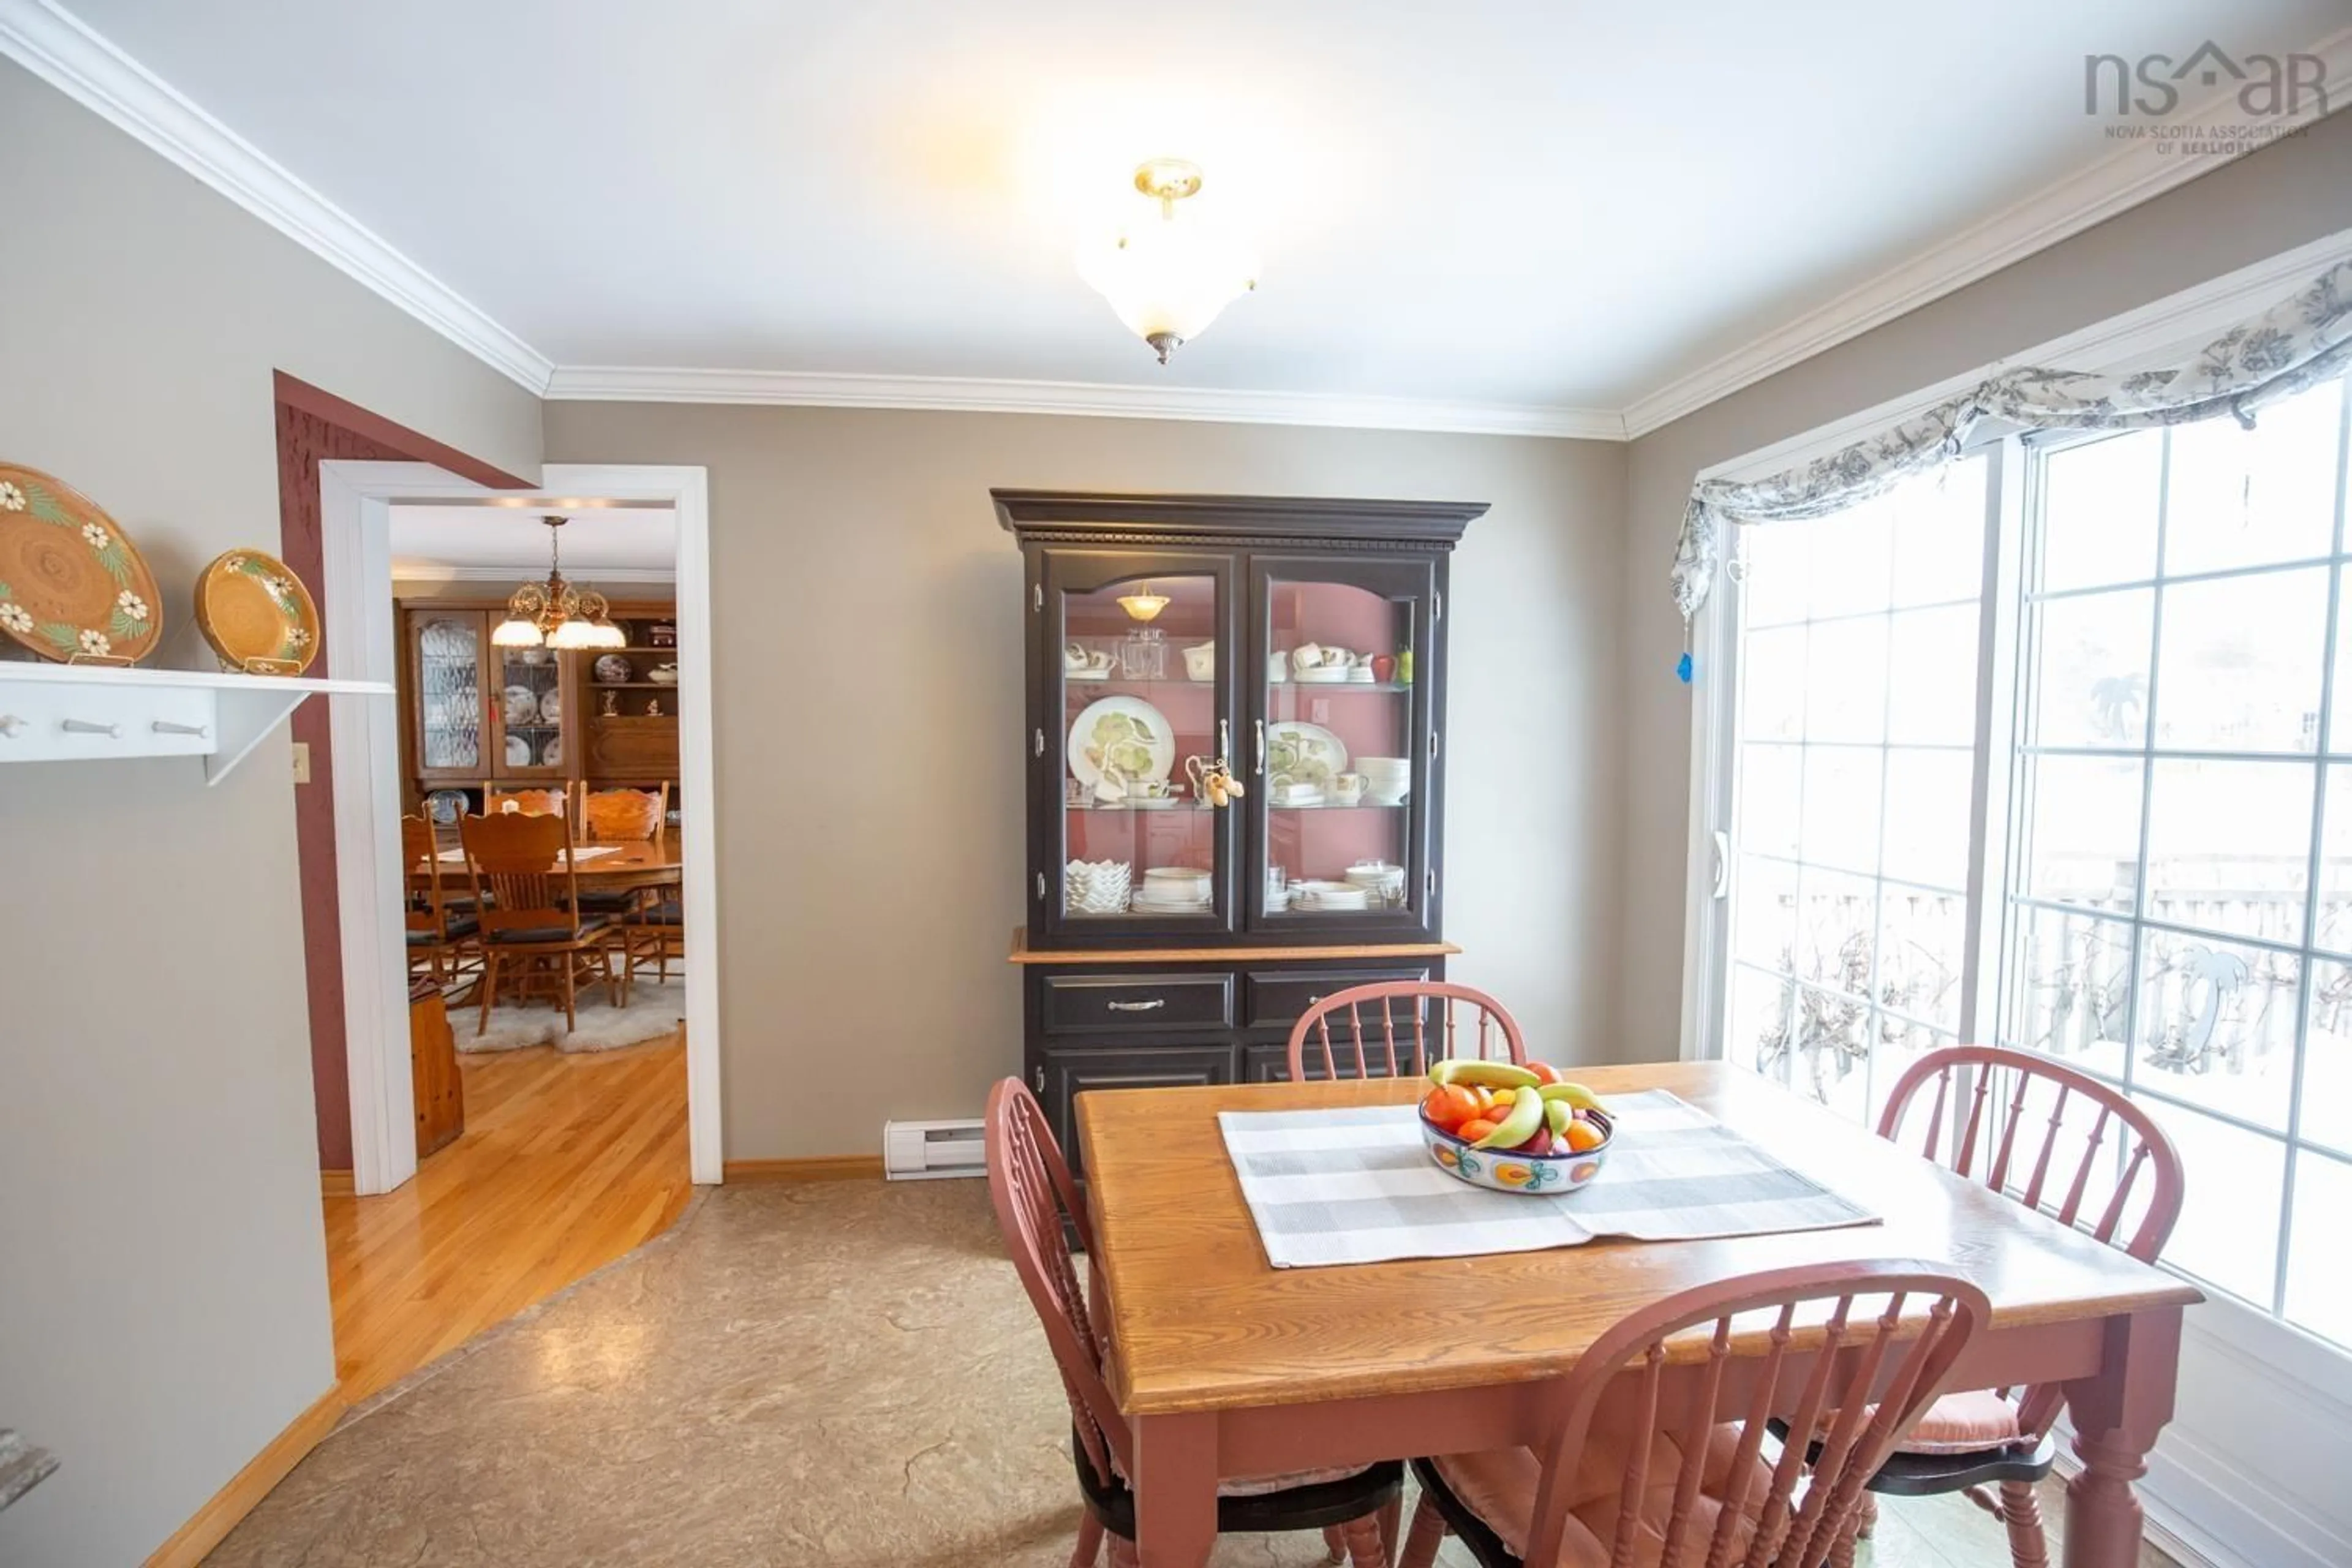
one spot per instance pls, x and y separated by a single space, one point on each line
71 585
256 614
1300 752
1124 732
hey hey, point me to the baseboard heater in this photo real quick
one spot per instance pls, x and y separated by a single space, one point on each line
919 1150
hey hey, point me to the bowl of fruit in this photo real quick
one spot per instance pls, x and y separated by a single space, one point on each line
1514 1129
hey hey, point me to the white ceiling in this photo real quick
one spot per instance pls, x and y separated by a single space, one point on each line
1558 203
617 544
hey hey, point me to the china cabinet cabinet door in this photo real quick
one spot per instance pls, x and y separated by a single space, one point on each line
448 669
1130 703
1343 747
528 697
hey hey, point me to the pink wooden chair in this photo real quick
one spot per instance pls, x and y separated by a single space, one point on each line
1386 1052
1658 1455
1034 1196
2058 1140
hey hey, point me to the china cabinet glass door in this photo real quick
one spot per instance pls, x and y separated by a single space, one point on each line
1341 746
446 656
529 698
1136 712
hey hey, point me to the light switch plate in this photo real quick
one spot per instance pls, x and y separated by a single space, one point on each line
302 761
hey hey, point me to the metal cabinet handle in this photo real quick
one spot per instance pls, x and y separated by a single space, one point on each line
1156 1002
1261 747
1041 1080
1225 740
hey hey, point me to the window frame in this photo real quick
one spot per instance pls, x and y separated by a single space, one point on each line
2007 654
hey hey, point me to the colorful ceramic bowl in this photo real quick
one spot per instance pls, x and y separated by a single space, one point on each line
1507 1171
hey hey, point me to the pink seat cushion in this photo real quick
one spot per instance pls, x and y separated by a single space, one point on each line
1258 1485
1964 1423
1499 1486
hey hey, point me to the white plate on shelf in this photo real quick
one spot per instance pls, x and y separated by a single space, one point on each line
1321 676
1117 717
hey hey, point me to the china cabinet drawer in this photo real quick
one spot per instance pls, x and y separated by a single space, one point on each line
1280 996
1068 1071
1091 1004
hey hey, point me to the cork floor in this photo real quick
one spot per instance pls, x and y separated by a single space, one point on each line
844 1374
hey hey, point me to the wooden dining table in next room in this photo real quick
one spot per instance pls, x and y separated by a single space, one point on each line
654 862
1227 1366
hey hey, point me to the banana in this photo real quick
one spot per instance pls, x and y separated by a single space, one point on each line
1558 1114
1575 1094
1492 1075
1526 1115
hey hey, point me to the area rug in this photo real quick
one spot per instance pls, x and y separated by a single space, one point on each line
654 1010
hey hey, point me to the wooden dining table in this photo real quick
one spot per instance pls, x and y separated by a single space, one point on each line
654 862
1226 1367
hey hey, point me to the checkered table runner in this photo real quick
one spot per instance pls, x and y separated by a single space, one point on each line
1355 1186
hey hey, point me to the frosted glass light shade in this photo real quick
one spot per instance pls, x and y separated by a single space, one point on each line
515 632
1168 274
573 634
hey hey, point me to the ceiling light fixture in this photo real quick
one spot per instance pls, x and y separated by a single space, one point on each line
1167 275
1143 606
554 612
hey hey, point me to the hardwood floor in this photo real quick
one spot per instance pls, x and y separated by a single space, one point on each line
567 1162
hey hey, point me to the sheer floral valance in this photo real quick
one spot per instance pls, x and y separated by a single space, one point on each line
2305 340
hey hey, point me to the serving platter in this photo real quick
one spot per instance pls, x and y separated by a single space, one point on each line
72 586
1303 752
256 614
1124 729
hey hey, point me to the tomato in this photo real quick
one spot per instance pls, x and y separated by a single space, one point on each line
1450 1106
1544 1072
1582 1136
1470 1131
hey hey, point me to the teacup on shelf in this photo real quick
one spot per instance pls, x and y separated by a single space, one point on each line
1200 661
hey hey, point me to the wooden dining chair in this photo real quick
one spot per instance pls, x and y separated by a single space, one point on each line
443 937
529 894
1431 1014
2056 1140
1035 1198
1657 1456
496 802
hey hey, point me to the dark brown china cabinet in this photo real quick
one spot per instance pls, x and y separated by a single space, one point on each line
1175 931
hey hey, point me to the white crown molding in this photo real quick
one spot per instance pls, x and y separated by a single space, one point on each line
2090 195
66 53
625 384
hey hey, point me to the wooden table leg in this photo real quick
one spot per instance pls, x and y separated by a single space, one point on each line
1176 1489
2117 1415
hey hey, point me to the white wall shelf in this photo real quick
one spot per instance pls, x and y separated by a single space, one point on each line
80 712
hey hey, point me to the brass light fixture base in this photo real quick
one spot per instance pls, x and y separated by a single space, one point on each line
1167 180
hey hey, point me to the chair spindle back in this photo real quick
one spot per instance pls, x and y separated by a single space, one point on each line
1030 1186
523 875
2057 1127
1832 1357
418 845
1388 1052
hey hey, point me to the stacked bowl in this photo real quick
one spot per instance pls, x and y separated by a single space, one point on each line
1096 887
1387 779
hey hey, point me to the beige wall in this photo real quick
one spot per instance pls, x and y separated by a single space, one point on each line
162 1285
2288 194
867 620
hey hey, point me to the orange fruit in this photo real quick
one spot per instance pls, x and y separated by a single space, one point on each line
1470 1131
1582 1136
